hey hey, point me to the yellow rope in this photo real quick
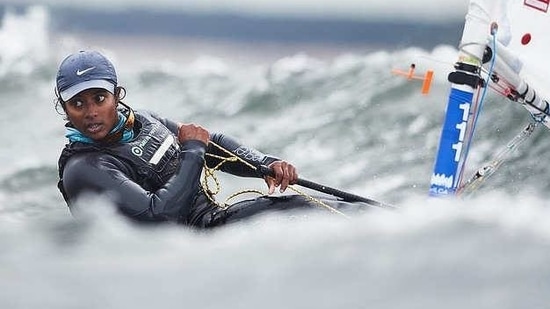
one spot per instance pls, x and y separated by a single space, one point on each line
209 174
318 202
232 196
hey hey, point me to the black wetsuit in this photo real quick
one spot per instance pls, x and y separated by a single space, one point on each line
154 178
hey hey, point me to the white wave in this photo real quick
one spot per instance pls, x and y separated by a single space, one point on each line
24 41
484 253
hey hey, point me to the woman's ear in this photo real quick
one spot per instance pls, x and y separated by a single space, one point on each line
120 93
60 107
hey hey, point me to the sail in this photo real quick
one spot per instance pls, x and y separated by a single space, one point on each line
505 39
526 36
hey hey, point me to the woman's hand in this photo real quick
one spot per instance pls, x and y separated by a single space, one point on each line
284 174
192 131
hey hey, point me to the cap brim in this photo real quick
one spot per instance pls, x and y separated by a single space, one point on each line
74 90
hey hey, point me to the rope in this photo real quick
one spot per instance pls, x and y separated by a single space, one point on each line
477 107
209 173
489 169
232 196
318 202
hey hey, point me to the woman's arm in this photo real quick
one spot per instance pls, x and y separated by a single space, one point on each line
245 153
284 173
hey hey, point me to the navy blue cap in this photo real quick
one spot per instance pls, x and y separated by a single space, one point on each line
85 70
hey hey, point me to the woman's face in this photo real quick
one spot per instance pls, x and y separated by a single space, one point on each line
93 112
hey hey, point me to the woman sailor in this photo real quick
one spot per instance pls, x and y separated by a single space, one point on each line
147 165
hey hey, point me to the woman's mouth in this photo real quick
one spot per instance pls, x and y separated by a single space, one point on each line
94 128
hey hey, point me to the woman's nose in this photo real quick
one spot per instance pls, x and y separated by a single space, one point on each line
91 109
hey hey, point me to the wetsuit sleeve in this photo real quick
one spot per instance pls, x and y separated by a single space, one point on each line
171 125
248 154
105 174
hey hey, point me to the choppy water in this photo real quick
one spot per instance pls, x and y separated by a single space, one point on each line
343 119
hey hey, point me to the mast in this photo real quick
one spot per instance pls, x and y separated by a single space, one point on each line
459 123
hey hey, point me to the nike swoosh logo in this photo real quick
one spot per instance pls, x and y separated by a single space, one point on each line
79 73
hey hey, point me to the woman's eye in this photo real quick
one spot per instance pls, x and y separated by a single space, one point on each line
77 103
100 98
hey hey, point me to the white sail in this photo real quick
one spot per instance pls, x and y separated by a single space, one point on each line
526 33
